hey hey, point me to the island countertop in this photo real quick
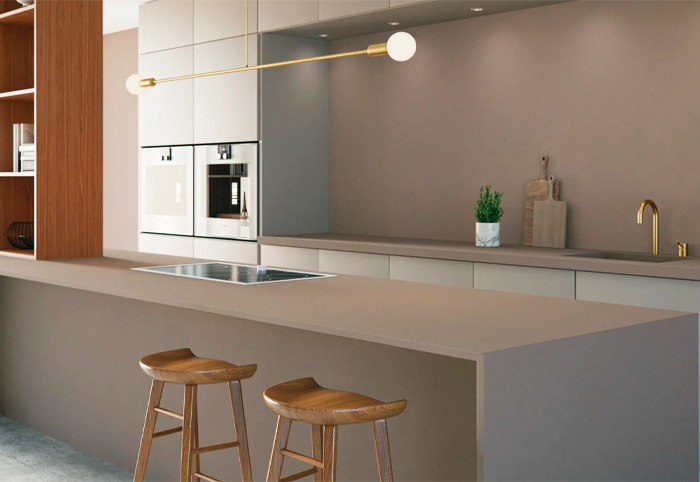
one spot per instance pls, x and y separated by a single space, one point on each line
452 321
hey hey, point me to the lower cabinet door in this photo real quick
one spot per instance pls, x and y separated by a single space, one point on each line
358 264
434 271
165 244
290 258
557 283
245 252
669 294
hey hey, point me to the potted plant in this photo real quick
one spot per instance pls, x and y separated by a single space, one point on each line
488 214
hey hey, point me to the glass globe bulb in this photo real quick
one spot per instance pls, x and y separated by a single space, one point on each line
132 84
401 46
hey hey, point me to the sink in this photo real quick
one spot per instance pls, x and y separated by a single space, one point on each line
620 256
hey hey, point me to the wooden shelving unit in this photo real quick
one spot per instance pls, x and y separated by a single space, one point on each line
62 96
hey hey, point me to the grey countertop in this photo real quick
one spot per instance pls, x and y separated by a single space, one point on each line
457 322
684 268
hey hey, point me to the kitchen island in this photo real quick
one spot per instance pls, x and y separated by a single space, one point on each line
501 386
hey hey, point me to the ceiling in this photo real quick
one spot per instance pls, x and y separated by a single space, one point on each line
411 15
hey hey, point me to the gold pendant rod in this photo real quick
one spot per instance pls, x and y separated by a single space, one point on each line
372 51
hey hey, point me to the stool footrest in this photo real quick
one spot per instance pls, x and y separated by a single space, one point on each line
208 478
170 431
169 413
302 458
299 475
211 448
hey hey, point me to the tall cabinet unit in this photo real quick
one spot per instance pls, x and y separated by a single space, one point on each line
51 77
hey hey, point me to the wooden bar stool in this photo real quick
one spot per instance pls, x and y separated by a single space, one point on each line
184 368
306 401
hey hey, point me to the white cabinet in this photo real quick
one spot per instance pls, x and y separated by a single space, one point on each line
165 24
166 110
341 8
226 250
358 264
164 244
671 294
522 279
225 106
220 19
287 257
434 271
277 14
398 3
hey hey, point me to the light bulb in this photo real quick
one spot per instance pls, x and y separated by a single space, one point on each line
132 84
401 46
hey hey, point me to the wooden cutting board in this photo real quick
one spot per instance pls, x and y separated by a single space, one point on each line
536 190
549 221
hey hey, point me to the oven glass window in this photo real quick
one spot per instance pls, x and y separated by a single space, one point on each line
166 193
228 185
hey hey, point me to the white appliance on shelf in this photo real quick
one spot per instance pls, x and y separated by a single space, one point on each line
167 187
226 191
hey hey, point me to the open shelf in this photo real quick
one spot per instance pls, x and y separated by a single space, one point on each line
17 174
23 16
18 253
24 95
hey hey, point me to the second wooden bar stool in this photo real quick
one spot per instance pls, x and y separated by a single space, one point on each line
184 368
305 400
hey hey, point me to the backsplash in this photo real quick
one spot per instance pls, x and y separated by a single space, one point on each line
608 90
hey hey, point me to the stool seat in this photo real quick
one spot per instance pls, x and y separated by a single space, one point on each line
305 400
185 368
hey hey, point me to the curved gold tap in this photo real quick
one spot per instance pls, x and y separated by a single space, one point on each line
655 228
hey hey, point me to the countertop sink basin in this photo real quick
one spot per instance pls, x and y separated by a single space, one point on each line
620 256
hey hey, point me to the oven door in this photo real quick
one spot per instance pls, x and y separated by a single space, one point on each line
226 191
167 190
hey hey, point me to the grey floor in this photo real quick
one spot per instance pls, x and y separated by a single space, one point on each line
28 455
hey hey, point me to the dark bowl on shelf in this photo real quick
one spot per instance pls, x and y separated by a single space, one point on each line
21 235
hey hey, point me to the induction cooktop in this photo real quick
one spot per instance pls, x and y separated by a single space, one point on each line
233 273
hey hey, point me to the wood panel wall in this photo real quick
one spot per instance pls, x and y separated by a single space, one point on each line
69 128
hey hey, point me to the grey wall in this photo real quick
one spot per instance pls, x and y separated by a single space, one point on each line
609 90
69 368
120 142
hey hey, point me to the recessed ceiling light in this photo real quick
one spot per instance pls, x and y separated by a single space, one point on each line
323 35
394 24
477 9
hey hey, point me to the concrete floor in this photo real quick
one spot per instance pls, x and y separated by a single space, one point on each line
30 456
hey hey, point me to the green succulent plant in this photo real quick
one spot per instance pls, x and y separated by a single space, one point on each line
488 206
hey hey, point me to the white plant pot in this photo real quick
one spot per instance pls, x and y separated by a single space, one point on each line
488 235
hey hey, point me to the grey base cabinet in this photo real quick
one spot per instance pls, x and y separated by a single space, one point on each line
670 294
433 271
358 264
558 283
304 259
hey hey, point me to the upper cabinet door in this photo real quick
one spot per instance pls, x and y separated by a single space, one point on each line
220 19
225 106
341 8
165 24
166 110
276 14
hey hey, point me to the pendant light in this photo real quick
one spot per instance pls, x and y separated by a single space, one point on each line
401 47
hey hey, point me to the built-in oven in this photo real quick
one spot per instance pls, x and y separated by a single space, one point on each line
226 191
167 190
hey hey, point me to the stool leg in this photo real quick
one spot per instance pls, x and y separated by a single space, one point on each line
195 438
330 452
185 457
274 472
317 449
381 447
149 426
241 432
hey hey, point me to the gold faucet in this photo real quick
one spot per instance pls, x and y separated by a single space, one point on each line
655 214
